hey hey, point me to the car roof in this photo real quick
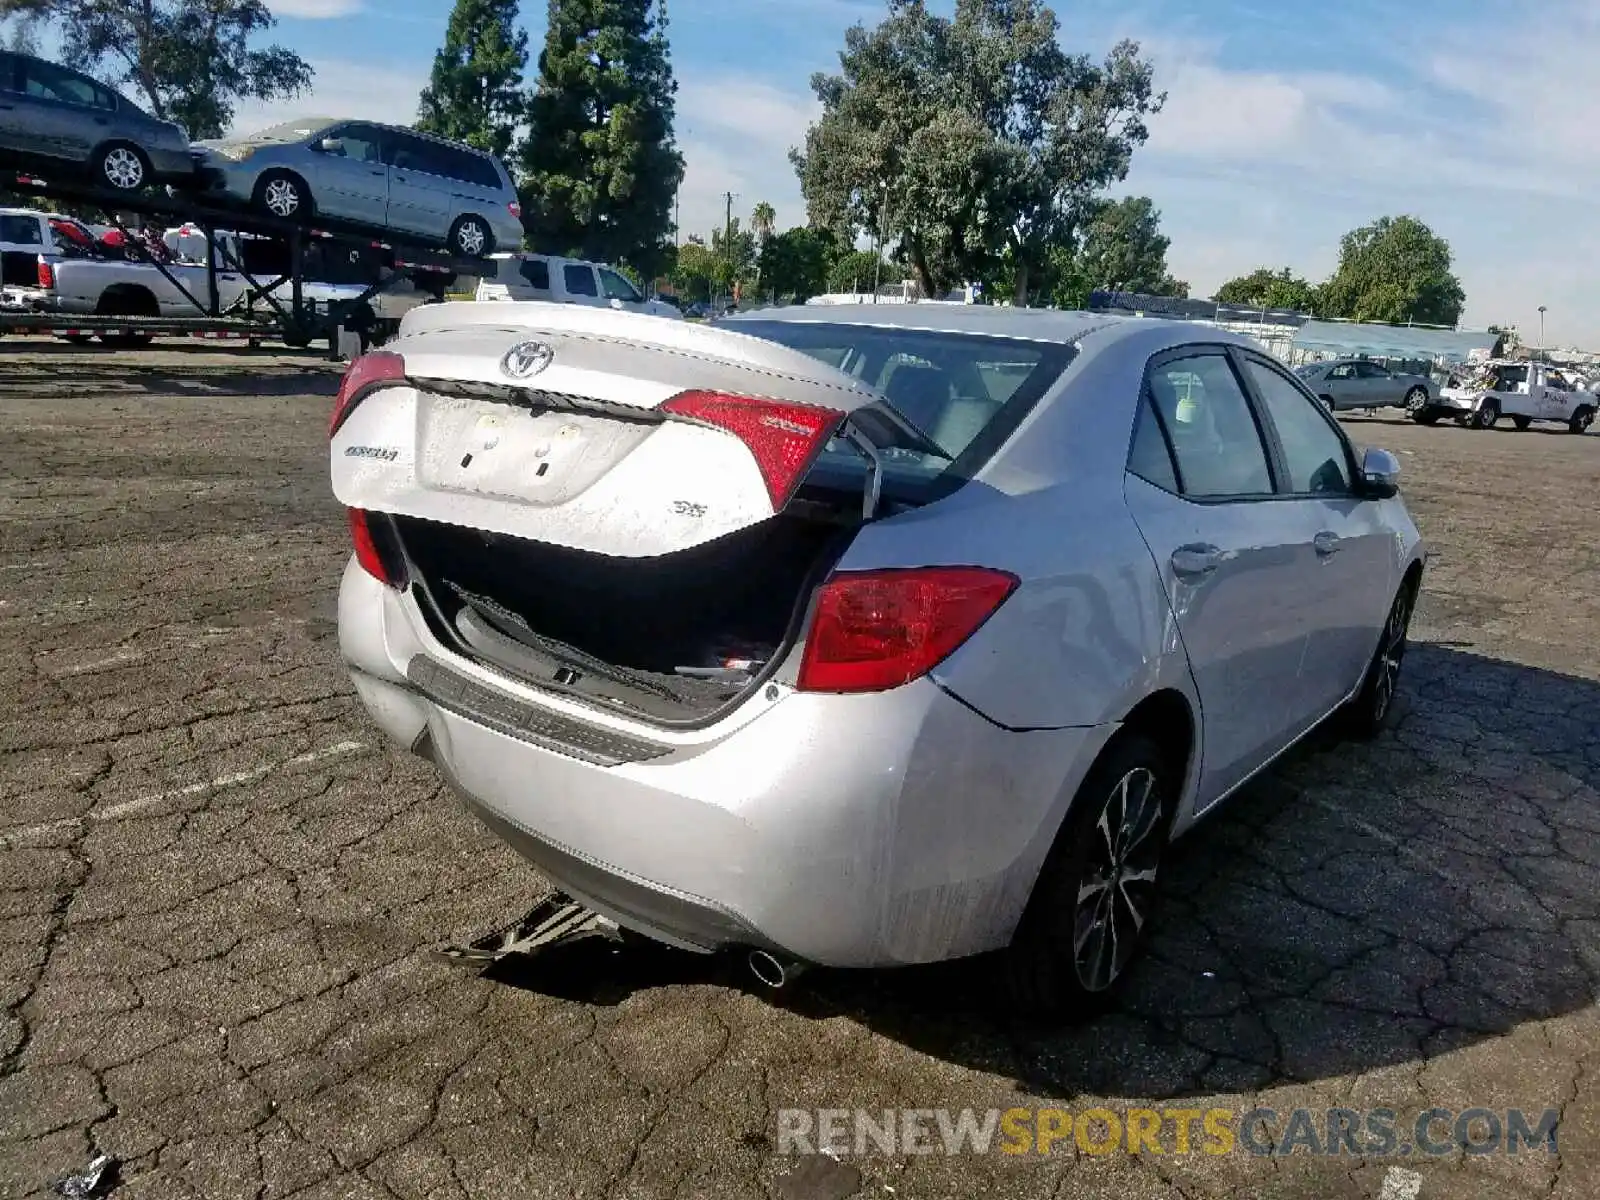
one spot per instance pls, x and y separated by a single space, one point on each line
1030 324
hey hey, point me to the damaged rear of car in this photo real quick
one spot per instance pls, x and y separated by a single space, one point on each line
609 578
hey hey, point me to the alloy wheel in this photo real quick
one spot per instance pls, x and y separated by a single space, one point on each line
1416 399
1117 884
122 169
471 239
281 197
1391 651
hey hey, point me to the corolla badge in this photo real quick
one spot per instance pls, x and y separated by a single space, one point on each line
527 359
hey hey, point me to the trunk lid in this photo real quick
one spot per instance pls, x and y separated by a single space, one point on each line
547 422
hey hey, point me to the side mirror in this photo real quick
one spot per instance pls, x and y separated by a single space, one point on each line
615 303
331 145
1380 473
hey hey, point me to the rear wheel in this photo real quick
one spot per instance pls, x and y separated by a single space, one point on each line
1486 416
121 167
1521 423
470 237
1092 903
1416 401
1582 419
1365 715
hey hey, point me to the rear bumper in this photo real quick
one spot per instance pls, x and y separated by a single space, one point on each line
846 830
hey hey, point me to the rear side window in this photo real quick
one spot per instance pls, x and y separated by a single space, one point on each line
46 81
578 279
1150 457
536 273
20 231
1215 441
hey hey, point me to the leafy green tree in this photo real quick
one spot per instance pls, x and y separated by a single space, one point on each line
1396 270
600 164
694 272
1124 249
763 221
794 263
475 92
857 270
734 249
975 142
1266 288
191 60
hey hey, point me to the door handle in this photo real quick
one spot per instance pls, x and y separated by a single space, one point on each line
1196 562
1327 543
400 179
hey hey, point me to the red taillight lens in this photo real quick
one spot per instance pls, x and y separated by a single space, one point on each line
372 560
47 274
875 630
784 438
381 366
515 210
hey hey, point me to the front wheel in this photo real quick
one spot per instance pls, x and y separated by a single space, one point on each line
282 194
121 167
1092 903
1365 715
1581 420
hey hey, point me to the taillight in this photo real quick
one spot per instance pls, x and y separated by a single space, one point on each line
874 630
386 569
47 274
363 374
515 210
784 438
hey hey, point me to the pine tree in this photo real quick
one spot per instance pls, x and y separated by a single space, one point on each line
475 94
600 163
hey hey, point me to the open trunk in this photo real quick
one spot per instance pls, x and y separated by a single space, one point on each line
675 639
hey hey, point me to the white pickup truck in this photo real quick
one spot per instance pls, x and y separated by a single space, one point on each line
1523 391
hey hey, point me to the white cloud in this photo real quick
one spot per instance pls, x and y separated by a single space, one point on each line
341 88
314 10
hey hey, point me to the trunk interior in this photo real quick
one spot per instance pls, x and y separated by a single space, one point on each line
675 638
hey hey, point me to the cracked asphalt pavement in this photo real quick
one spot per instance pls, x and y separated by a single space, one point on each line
219 891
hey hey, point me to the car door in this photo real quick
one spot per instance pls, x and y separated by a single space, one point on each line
421 194
1377 384
65 114
1233 558
1343 385
13 123
351 181
578 284
1353 561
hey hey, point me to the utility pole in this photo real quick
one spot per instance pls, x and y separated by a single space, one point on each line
727 236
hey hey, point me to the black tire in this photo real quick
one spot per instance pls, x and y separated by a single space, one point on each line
1521 423
284 195
471 237
1486 416
1581 420
122 167
1056 964
126 341
1365 715
1327 403
1428 416
77 339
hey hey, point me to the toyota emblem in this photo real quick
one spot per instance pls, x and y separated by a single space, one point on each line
526 359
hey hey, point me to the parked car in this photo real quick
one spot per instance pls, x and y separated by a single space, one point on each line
1355 383
57 117
728 684
566 281
379 176
1524 391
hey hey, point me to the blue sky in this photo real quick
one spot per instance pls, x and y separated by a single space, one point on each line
1286 123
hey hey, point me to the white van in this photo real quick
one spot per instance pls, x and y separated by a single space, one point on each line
565 281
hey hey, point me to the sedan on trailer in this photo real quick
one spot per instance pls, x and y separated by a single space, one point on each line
1357 383
52 116
859 637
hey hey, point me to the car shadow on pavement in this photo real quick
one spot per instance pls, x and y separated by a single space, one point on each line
1361 906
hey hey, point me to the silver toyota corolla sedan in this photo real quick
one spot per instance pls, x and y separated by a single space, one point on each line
859 636
1357 383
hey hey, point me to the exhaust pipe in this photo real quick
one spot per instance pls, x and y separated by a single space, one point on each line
772 971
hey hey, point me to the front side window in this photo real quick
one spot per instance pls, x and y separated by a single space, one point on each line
1314 453
618 288
358 143
578 279
1215 440
1344 371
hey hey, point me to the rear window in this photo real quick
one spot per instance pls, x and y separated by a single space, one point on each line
21 231
966 392
536 272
